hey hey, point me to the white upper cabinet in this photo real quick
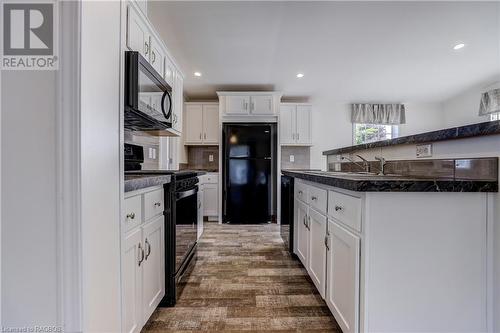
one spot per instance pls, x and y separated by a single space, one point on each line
342 296
202 123
194 123
287 123
238 105
141 37
137 33
249 104
157 56
178 101
169 71
261 105
295 124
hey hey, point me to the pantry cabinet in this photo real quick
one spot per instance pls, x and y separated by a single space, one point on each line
295 124
202 123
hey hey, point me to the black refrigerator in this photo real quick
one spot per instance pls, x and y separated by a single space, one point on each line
249 172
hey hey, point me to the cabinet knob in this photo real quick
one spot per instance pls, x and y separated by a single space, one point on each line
337 208
131 216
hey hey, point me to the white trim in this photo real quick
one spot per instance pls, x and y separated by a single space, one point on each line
68 156
249 93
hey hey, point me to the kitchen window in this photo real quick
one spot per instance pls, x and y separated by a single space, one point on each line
365 133
495 116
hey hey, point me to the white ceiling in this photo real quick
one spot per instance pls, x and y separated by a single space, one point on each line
348 51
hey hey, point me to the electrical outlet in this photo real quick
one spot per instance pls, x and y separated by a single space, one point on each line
292 158
154 153
150 152
424 150
210 158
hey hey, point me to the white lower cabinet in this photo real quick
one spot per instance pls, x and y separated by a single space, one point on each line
301 224
201 194
316 265
153 282
342 290
143 264
132 282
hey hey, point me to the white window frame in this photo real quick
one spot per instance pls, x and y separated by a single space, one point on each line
394 131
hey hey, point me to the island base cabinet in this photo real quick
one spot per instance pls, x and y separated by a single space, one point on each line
316 266
342 291
302 232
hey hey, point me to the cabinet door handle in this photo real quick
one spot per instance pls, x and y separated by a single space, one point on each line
141 254
148 249
158 204
300 192
154 56
131 216
205 135
146 48
298 136
313 198
200 136
270 107
252 105
326 243
309 223
337 208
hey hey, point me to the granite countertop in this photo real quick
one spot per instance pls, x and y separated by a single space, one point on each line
468 131
138 181
391 183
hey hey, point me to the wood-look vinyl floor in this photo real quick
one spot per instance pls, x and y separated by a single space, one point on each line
245 280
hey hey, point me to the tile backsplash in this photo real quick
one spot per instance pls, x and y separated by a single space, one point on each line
203 158
151 144
301 157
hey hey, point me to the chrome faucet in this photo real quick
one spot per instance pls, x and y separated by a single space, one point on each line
365 166
382 165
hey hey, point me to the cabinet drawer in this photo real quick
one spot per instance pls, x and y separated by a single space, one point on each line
301 191
153 204
318 199
345 208
211 179
133 212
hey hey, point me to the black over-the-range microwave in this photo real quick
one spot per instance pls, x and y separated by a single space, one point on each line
148 97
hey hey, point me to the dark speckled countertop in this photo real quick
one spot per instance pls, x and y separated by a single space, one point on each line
138 181
467 131
391 183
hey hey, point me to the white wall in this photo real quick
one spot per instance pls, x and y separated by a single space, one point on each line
463 108
100 135
332 127
29 266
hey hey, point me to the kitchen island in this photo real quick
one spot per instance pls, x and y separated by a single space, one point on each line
389 252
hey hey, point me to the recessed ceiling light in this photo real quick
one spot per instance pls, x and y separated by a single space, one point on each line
458 46
197 74
299 75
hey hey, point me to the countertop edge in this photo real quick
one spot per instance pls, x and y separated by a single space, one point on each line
453 133
390 185
143 182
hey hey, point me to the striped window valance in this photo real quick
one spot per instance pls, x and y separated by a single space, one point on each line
385 114
490 102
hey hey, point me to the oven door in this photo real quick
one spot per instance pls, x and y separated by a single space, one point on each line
148 95
186 224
